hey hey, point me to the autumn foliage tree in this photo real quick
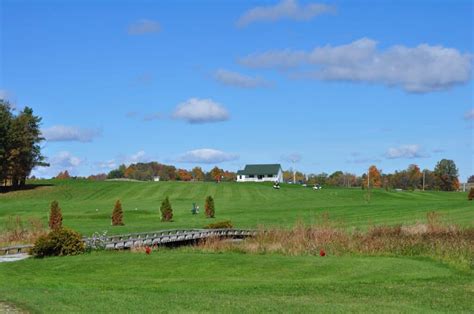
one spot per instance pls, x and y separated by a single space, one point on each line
209 206
198 174
63 175
471 194
55 216
166 210
117 214
375 178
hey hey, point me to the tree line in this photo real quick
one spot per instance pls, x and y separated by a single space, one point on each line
20 150
150 170
443 177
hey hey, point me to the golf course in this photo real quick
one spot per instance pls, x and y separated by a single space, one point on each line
189 279
87 205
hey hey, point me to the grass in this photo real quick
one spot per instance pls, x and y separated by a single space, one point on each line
187 281
246 205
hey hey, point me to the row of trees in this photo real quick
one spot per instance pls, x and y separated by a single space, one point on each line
20 151
150 170
443 177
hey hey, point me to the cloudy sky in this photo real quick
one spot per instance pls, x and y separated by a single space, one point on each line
335 85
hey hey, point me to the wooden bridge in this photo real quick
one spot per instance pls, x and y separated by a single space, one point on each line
171 237
156 238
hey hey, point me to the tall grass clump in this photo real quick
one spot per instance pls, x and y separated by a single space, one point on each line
17 231
433 239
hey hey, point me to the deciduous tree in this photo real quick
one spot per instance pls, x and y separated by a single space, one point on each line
446 175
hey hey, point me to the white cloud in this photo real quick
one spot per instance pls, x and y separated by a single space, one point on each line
405 151
239 80
107 165
206 156
469 115
286 9
197 110
420 69
62 133
62 161
65 160
143 26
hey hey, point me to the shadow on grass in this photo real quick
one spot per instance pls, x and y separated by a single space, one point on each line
8 189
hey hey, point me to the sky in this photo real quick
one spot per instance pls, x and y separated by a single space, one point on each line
318 86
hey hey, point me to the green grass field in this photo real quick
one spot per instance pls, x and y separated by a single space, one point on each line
246 205
188 280
185 281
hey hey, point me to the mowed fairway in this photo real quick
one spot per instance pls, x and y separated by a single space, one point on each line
183 281
87 205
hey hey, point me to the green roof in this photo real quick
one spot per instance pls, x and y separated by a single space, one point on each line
260 169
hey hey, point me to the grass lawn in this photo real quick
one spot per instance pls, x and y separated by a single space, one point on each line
181 280
247 205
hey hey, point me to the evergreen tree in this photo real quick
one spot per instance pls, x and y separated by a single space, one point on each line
117 214
166 210
210 210
55 216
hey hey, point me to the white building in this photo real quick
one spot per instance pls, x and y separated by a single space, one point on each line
261 173
156 179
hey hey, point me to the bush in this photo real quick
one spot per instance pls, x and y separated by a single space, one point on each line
59 242
471 194
226 224
117 214
210 211
55 216
166 210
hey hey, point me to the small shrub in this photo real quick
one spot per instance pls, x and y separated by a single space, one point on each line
471 194
117 214
55 216
226 224
166 210
59 242
210 210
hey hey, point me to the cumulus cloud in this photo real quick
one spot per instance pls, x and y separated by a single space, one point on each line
62 133
405 151
62 161
143 26
239 80
419 69
286 9
65 160
206 156
195 110
469 115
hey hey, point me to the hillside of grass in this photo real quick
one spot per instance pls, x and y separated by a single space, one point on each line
87 205
182 281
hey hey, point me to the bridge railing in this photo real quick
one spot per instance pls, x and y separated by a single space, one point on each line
15 249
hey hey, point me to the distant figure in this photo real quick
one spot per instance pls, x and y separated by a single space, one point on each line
276 185
195 209
317 187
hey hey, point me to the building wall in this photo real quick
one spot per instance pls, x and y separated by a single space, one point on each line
245 178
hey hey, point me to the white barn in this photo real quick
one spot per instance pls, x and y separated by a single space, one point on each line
261 173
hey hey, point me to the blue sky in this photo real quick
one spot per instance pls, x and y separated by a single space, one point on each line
335 85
